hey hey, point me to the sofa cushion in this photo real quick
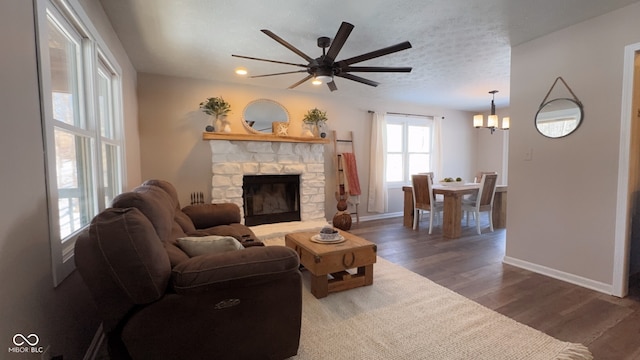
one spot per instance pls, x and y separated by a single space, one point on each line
133 253
184 221
154 203
180 218
195 246
209 215
254 265
168 188
176 255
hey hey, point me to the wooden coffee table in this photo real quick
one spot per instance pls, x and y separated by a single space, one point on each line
328 263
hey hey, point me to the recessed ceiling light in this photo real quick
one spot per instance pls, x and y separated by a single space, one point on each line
241 71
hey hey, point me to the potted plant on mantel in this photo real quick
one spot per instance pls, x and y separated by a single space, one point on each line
314 118
218 108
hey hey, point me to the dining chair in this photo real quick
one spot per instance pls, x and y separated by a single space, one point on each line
480 173
422 185
436 197
472 198
484 200
430 173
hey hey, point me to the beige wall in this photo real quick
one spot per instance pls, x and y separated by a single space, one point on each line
171 127
562 203
64 318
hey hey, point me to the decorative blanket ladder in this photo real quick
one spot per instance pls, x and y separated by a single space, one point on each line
347 183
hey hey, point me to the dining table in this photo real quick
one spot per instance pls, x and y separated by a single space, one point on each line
452 211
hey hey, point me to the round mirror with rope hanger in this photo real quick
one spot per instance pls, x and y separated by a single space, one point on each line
559 117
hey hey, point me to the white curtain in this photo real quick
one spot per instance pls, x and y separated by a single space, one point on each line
377 164
436 156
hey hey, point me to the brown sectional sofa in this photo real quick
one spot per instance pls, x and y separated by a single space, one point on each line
156 302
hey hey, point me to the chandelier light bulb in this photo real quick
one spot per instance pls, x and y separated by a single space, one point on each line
492 121
506 122
478 121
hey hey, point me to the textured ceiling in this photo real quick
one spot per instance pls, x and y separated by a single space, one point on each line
461 48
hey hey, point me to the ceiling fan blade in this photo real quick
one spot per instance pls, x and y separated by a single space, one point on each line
332 85
358 79
301 81
282 73
374 54
287 45
272 61
376 69
338 42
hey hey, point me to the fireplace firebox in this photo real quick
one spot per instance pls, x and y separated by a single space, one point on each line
271 199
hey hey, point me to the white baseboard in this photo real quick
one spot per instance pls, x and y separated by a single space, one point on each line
380 216
560 275
96 344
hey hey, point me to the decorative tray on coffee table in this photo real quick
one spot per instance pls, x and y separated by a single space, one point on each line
317 238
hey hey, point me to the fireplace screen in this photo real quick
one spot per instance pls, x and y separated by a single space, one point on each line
271 199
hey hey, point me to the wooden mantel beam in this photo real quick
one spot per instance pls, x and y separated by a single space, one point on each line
262 137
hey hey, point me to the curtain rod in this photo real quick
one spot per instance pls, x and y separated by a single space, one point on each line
403 114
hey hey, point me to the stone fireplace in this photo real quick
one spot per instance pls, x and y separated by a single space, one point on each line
232 160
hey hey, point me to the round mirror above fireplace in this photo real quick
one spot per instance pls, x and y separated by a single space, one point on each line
260 114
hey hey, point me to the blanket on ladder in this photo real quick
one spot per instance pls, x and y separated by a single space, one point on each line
351 181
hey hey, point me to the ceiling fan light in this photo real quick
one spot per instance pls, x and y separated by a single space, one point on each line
316 82
323 78
241 71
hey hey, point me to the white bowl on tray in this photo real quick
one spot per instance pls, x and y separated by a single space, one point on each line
329 237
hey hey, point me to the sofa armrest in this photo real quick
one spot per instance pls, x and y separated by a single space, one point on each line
209 215
234 268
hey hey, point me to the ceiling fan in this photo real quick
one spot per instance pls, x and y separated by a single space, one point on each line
325 67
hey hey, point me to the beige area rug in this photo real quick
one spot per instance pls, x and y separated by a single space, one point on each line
406 316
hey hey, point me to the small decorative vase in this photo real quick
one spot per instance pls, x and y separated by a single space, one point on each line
322 129
307 130
312 129
217 123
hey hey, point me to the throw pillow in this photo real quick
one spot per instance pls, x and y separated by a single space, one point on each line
195 246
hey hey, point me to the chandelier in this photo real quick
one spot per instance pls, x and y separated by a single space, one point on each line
492 120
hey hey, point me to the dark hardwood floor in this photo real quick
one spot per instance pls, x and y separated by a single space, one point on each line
472 266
